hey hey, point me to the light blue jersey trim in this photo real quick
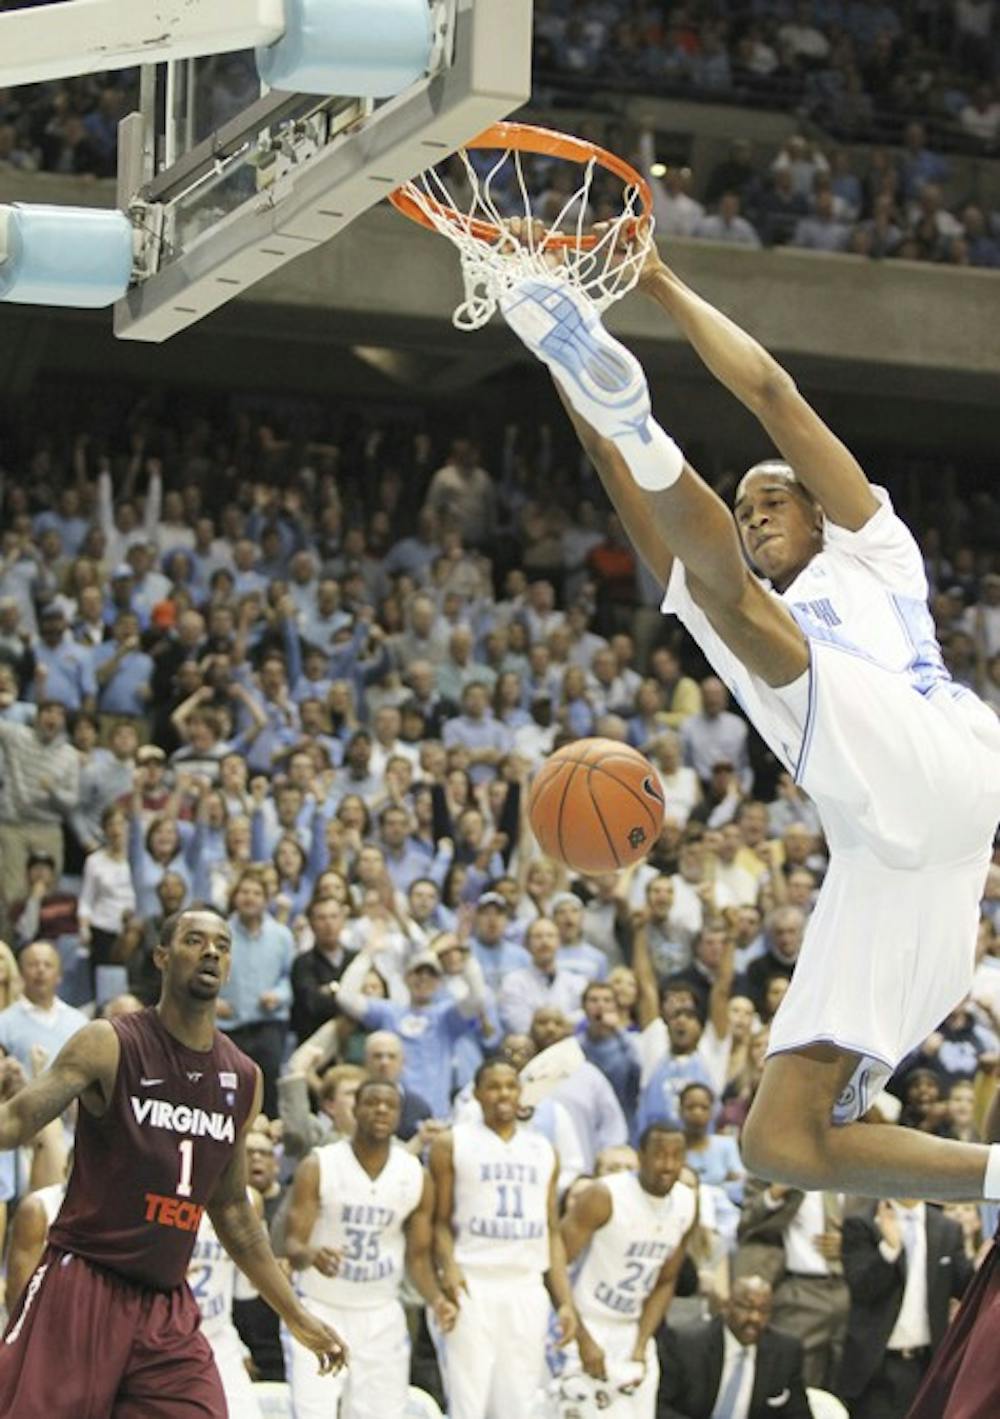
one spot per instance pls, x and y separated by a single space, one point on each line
810 725
926 672
818 631
927 669
849 1047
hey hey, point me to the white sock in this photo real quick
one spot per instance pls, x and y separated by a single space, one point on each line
650 454
991 1180
652 457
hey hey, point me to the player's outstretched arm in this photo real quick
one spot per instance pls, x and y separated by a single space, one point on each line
822 463
242 1234
607 388
420 1258
557 1276
86 1065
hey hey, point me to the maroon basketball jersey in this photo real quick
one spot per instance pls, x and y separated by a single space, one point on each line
143 1173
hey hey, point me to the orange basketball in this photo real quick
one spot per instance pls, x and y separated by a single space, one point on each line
596 805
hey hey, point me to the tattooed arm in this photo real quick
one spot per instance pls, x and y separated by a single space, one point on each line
242 1234
84 1069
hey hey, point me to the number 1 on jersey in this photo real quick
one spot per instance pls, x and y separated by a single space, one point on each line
187 1162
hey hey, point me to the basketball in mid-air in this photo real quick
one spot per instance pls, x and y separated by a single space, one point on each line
596 805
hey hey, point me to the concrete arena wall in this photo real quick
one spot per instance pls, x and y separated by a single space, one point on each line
896 315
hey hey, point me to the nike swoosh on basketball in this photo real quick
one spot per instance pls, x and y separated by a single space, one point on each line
148 1083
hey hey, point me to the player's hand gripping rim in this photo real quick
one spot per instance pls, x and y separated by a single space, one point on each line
652 262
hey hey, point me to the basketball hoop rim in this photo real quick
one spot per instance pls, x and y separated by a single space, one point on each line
546 142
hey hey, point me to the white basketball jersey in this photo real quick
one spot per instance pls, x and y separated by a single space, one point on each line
211 1275
363 1218
627 1254
501 1199
51 1198
865 592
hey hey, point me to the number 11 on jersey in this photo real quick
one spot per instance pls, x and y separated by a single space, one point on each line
510 1200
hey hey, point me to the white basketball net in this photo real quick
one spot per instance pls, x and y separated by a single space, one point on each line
605 271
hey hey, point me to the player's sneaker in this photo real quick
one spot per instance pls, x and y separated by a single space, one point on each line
603 381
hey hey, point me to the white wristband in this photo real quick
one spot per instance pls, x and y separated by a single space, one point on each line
652 457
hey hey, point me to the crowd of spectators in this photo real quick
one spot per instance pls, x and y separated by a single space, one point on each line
310 684
890 204
887 203
860 68
893 89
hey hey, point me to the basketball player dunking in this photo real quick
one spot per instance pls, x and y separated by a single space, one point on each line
496 1237
106 1325
631 1229
827 641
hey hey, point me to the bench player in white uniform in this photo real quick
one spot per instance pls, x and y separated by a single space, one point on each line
212 1277
631 1230
498 1248
827 642
361 1209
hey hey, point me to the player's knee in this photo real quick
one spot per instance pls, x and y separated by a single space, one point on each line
757 1149
783 1151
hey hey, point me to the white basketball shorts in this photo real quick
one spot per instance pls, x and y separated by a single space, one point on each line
908 789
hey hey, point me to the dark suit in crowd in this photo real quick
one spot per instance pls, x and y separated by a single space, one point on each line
880 1376
691 1364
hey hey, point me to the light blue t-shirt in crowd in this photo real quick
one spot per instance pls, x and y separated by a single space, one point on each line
261 963
121 694
659 1102
428 1033
23 1025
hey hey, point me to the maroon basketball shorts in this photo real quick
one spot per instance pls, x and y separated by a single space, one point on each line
963 1381
85 1343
